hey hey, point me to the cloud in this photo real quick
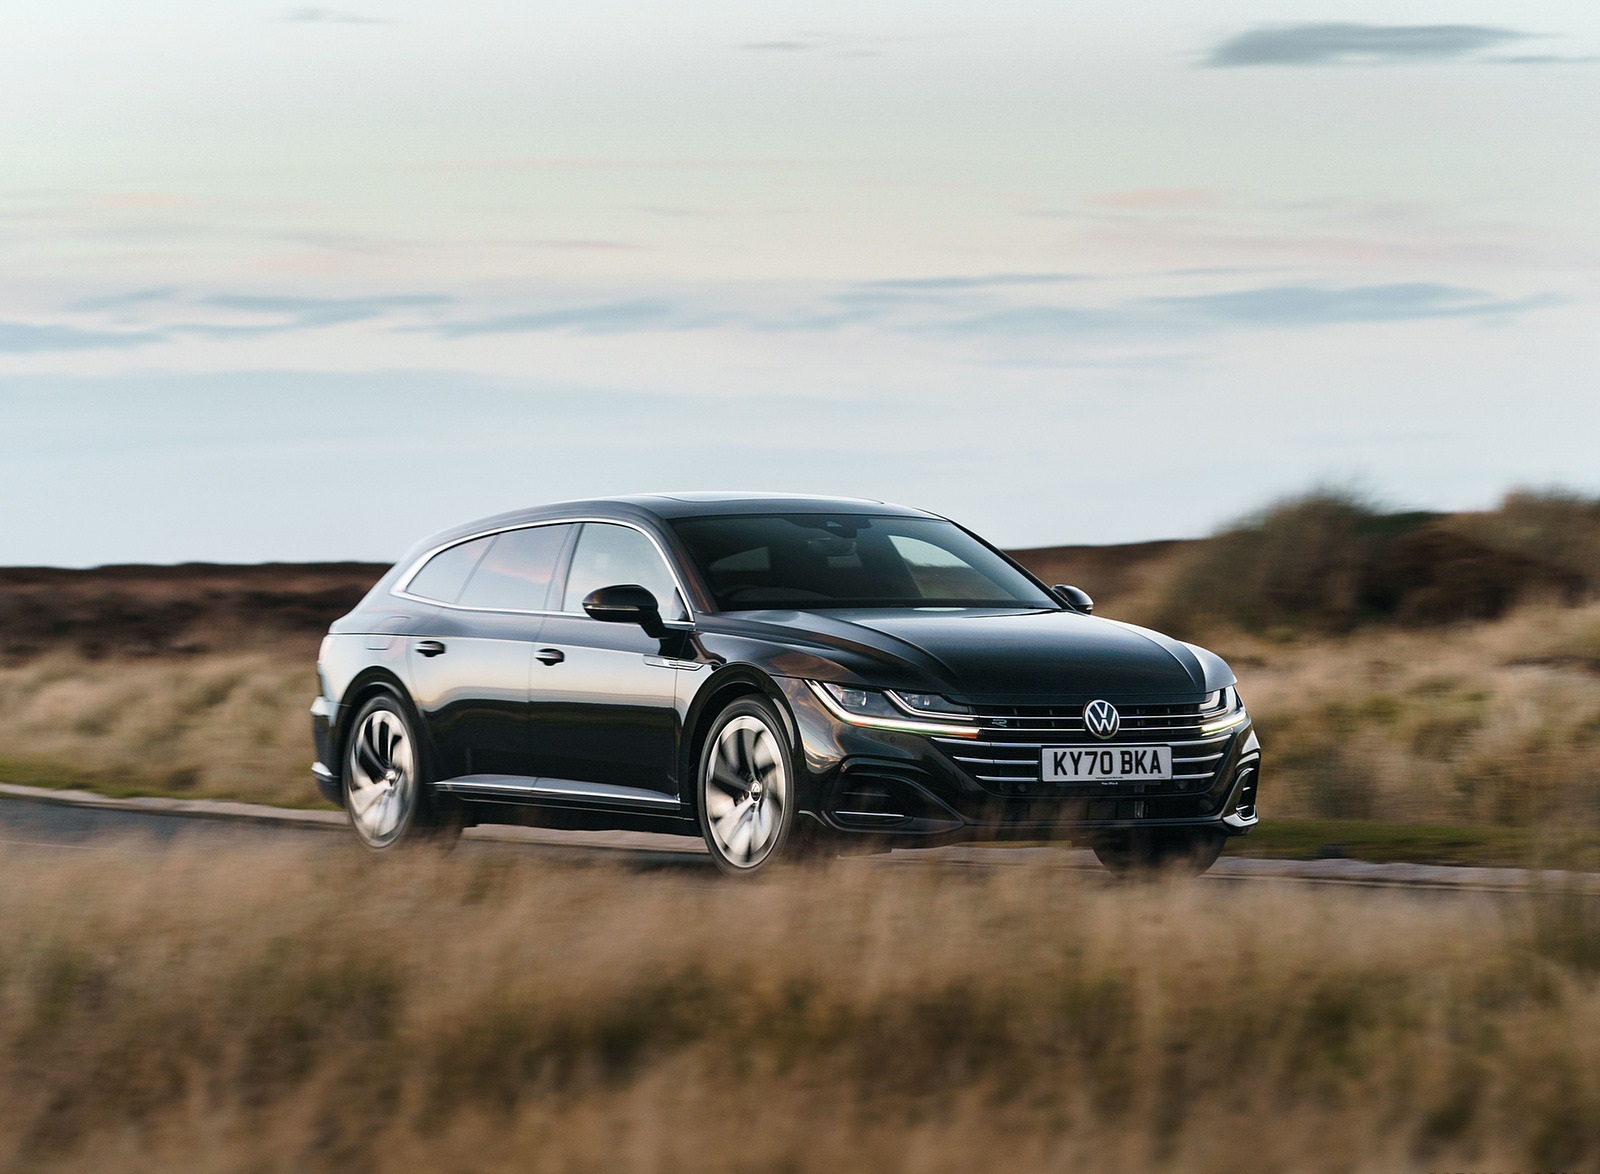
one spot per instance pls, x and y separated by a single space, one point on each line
26 338
332 16
124 301
1159 199
1303 305
829 44
610 318
1358 44
982 281
297 313
1270 307
590 245
1037 320
1539 59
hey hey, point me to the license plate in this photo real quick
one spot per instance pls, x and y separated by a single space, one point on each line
1106 764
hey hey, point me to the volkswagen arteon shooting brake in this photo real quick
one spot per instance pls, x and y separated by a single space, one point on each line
779 675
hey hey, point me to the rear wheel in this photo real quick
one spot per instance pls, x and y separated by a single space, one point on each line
386 794
746 788
1188 851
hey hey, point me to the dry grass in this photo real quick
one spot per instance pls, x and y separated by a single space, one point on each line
1479 724
216 725
295 1009
1493 723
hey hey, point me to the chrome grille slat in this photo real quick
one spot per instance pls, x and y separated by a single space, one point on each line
1209 740
1049 722
1012 740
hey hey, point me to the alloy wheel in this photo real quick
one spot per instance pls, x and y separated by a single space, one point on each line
746 791
381 779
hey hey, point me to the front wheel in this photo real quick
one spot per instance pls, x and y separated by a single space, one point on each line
385 793
1189 851
746 788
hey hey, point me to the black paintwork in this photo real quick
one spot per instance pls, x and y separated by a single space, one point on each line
570 720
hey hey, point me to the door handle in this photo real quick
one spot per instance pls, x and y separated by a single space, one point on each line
430 647
550 655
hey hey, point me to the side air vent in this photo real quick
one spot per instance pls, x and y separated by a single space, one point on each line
866 800
1247 792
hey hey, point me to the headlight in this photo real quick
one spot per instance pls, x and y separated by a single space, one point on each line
1222 710
866 702
886 711
931 703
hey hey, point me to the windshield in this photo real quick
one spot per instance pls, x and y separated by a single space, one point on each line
810 561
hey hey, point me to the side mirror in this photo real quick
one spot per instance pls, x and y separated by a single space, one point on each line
626 603
1074 597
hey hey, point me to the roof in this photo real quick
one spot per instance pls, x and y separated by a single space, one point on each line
670 506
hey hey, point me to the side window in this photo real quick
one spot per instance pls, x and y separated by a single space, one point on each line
607 555
515 574
446 573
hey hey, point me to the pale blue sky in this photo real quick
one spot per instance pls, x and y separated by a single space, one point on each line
284 281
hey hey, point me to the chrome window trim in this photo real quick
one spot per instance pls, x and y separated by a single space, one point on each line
399 590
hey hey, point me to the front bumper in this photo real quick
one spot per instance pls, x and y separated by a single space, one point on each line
913 788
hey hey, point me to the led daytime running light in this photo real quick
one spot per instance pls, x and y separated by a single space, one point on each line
886 723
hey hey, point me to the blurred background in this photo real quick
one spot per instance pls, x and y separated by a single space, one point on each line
284 282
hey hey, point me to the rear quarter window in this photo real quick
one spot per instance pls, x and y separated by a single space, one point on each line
444 575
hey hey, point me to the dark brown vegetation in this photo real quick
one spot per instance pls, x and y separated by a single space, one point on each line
298 1009
173 611
1330 562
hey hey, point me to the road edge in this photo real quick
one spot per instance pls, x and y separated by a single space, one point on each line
1448 877
224 809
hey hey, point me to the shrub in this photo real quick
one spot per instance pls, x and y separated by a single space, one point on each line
1331 560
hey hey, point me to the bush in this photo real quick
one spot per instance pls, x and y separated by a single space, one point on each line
1330 560
1554 526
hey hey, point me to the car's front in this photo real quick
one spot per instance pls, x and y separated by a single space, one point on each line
942 693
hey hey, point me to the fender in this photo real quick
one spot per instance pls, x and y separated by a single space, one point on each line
372 681
724 685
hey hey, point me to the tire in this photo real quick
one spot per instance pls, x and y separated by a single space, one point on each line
384 783
745 788
1185 851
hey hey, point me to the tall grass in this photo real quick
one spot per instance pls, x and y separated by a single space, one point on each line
1481 724
217 725
279 1010
1477 724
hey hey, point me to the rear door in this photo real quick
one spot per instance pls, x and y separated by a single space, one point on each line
604 716
470 661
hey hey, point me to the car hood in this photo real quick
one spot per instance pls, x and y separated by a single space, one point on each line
1014 657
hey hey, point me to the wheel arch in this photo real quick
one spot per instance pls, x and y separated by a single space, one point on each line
725 687
363 688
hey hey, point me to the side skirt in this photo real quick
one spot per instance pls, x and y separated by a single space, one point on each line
522 789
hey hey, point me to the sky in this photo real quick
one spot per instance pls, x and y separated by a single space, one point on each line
287 282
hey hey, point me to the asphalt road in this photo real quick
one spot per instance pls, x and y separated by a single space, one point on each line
34 819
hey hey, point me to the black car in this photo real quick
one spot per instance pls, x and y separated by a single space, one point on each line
780 675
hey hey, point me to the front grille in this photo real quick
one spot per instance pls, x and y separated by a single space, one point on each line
1140 723
1005 758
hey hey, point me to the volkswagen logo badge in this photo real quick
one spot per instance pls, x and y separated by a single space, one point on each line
1101 719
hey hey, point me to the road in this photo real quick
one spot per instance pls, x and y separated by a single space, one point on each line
32 818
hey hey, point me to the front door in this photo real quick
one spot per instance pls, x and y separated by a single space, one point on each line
604 699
